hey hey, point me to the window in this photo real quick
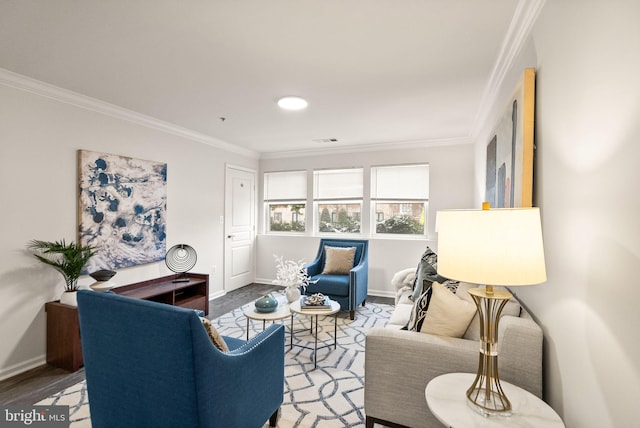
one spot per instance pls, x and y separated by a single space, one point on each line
285 198
337 194
399 197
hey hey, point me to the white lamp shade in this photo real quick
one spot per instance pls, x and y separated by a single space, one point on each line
491 247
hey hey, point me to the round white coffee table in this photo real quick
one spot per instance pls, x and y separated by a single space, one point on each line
447 400
281 312
314 314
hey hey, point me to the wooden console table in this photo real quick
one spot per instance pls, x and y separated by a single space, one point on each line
63 336
193 294
64 348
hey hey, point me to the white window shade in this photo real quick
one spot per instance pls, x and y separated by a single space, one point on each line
401 182
283 186
338 184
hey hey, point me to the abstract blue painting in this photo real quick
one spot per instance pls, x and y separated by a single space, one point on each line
122 209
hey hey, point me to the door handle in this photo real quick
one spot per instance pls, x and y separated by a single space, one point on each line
230 236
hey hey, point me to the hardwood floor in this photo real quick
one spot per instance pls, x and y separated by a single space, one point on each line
39 383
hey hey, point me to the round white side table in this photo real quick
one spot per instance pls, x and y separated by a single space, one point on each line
314 314
281 312
447 400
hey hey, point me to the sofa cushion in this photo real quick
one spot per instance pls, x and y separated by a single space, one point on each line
401 315
215 337
426 273
448 314
419 311
338 260
450 284
512 308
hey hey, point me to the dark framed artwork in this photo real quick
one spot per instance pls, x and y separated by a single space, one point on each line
122 208
509 166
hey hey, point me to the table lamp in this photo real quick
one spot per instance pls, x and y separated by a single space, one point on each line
492 247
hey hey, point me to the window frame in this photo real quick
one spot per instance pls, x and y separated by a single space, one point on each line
354 199
296 199
374 201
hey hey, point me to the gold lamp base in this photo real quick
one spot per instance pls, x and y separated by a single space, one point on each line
486 395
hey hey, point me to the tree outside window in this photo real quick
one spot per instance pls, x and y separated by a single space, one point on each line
286 217
338 199
285 196
339 218
399 197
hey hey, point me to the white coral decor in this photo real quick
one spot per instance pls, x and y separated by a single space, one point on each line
291 273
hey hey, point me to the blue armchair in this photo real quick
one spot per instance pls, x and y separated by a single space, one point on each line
348 290
149 364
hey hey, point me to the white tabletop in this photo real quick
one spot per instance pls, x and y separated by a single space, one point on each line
295 308
282 311
447 400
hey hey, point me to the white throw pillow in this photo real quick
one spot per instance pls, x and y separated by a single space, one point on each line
338 260
448 315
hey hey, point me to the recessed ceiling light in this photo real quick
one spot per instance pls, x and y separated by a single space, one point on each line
292 103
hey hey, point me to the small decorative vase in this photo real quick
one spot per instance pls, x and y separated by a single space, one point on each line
69 298
266 304
103 280
292 293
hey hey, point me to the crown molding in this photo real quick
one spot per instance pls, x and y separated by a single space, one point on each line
27 84
524 18
328 149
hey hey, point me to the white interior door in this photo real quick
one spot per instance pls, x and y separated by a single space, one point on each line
239 227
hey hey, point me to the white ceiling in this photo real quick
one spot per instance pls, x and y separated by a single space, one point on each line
374 72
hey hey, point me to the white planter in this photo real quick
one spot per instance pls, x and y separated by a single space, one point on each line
292 293
69 298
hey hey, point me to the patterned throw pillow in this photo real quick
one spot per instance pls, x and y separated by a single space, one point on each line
419 311
450 284
427 273
215 337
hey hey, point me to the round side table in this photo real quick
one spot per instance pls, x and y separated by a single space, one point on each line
281 312
315 313
447 400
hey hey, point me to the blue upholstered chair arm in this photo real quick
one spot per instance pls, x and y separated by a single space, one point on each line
361 269
252 373
359 281
315 267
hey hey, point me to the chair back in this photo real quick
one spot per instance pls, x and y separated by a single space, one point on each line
139 361
360 245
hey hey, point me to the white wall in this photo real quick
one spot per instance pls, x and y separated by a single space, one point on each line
451 186
586 174
39 137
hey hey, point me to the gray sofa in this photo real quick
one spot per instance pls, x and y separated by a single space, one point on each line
400 363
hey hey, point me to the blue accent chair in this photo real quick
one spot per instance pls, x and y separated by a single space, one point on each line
149 364
348 290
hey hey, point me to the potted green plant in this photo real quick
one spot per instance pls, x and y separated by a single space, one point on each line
68 259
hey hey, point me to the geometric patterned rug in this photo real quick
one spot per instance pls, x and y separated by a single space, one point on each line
331 395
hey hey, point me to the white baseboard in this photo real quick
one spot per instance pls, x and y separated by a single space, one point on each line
22 367
381 293
216 295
